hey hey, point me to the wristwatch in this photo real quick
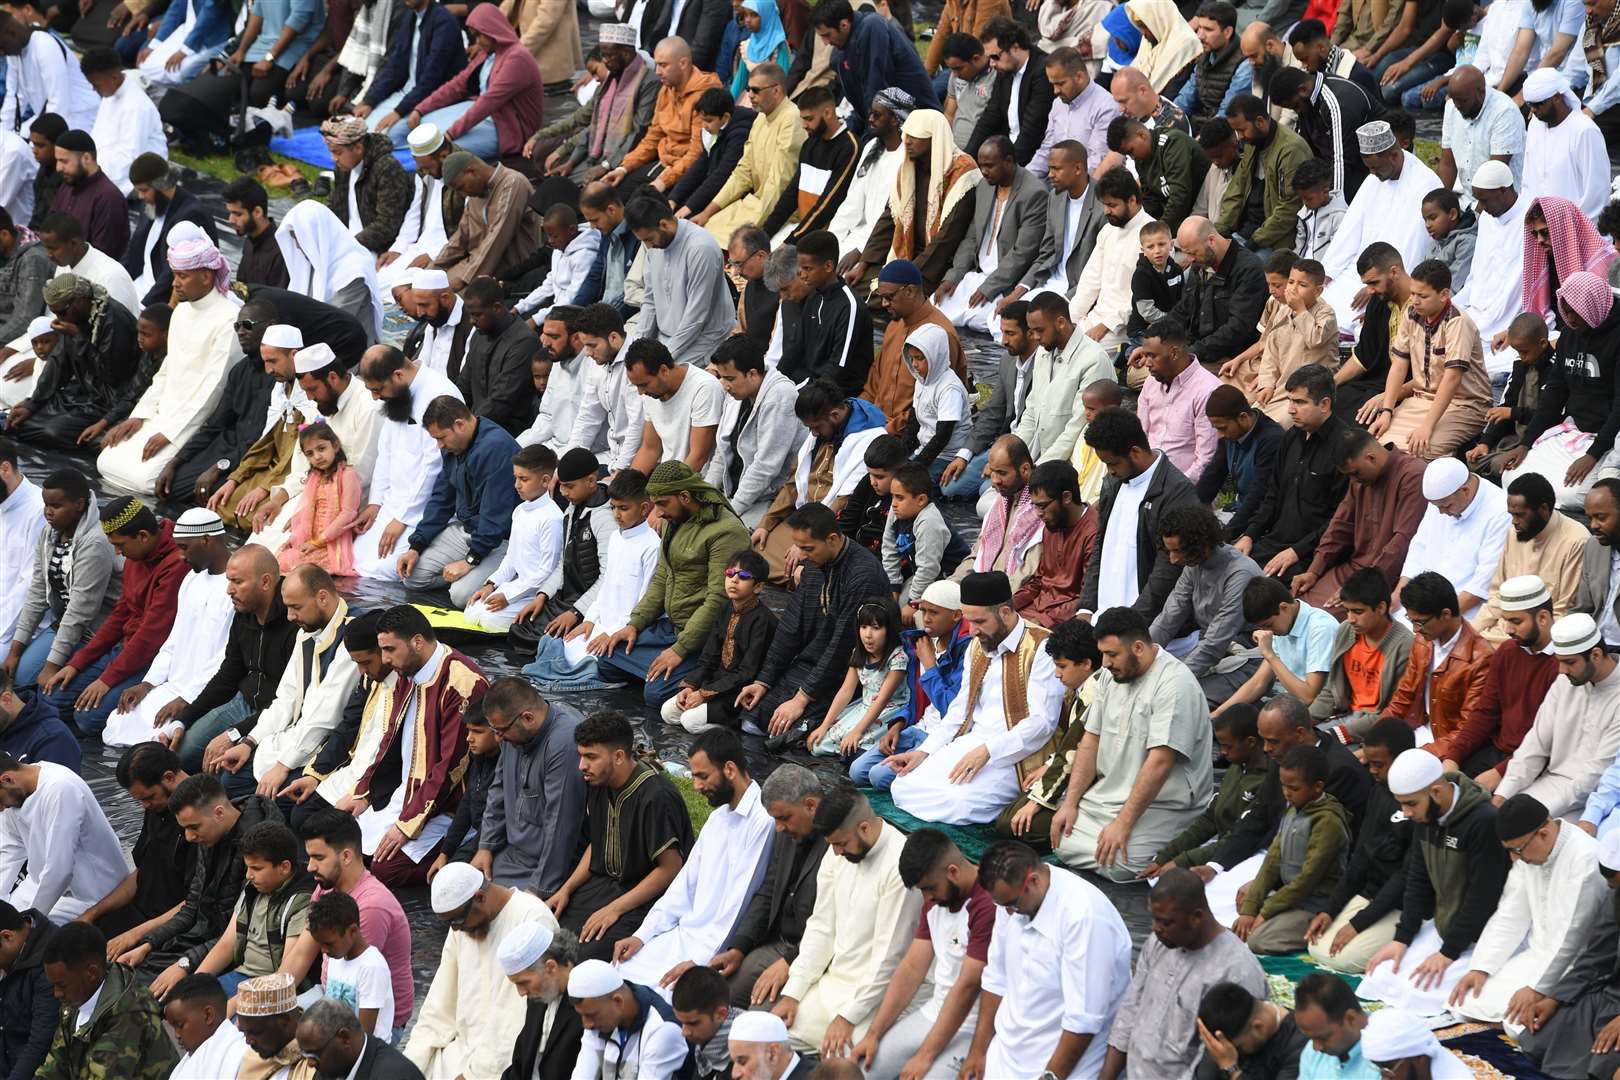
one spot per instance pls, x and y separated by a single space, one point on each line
234 735
184 963
223 464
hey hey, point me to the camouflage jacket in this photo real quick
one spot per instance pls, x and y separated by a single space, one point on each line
124 1038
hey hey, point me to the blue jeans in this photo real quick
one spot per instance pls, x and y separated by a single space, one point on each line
230 981
1430 67
868 770
91 721
971 482
481 140
34 656
632 666
209 724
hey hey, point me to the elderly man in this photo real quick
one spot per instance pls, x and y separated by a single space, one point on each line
498 230
902 292
974 763
472 1014
332 1038
203 347
156 184
1564 152
88 372
1462 534
539 960
1130 793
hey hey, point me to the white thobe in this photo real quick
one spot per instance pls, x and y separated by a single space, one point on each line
1546 918
533 552
437 341
154 70
309 701
863 922
187 660
421 233
927 792
693 918
1570 161
1117 583
867 199
127 126
1574 738
1102 296
1064 969
569 269
555 421
340 782
144 283
1494 292
1387 210
609 415
99 268
22 516
184 391
654 1052
1463 549
632 559
44 78
472 1014
357 424
407 468
220 1055
61 833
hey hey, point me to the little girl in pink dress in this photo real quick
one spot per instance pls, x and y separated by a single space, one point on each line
323 529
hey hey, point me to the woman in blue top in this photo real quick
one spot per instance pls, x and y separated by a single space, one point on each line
766 42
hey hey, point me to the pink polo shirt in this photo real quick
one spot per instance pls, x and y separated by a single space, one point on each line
1173 417
382 922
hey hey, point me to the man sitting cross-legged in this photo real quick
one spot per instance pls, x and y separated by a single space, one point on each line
538 959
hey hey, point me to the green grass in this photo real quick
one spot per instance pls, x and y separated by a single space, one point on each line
697 807
222 167
1427 151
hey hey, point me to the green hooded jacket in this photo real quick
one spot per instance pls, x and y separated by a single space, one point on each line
1313 843
689 584
124 1038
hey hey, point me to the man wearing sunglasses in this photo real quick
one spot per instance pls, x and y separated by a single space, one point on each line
757 183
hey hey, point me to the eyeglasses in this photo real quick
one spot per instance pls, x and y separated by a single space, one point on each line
740 574
246 324
314 1056
1519 851
761 89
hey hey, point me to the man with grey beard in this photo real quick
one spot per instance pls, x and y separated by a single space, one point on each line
538 960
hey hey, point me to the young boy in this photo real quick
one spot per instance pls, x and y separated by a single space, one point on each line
1302 868
356 973
1237 734
1155 283
1453 231
1295 642
1243 370
536 543
732 654
1322 208
1505 423
1100 395
865 515
1307 332
1370 654
483 750
20 373
1438 391
934 675
917 543
272 911
587 527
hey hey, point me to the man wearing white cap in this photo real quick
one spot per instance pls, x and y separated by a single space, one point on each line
1564 152
760 1049
629 1029
1395 1042
22 516
427 225
1494 292
32 347
1577 730
471 1017
203 347
1388 207
1552 905
242 500
195 646
1462 532
439 338
1454 876
539 960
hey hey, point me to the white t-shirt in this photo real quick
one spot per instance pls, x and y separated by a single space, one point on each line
698 403
364 983
939 400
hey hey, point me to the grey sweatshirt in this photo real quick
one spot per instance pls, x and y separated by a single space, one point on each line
766 444
88 568
931 536
688 305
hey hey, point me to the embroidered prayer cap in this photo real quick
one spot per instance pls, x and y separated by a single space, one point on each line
944 593
896 101
343 130
1519 816
76 141
1574 635
454 165
313 358
758 1027
425 139
1609 851
198 521
42 325
1588 296
592 979
577 464
1414 771
283 336
1523 593
454 886
64 287
900 272
117 515
990 589
1442 477
201 254
617 34
148 168
430 279
1375 136
1393 1035
1493 175
521 949
1540 85
267 995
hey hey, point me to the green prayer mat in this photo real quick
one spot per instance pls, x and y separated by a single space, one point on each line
970 840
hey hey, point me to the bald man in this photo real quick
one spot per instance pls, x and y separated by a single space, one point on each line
1137 99
1481 124
673 144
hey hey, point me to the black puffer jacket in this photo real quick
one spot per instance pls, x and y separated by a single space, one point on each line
383 191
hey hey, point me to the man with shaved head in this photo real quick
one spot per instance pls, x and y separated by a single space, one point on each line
1481 124
1224 293
1137 99
674 142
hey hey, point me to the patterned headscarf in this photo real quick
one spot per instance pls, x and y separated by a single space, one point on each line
343 130
896 101
673 477
1588 296
1576 246
199 253
65 287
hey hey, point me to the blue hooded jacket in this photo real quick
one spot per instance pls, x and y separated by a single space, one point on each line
38 734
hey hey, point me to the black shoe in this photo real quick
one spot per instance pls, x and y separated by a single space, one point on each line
775 744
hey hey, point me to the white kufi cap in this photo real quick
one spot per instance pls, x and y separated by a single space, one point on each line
593 979
282 336
1413 772
1442 477
758 1027
454 887
521 949
314 358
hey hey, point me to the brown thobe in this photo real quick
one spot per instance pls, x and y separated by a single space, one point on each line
498 230
1373 526
1048 596
889 385
263 468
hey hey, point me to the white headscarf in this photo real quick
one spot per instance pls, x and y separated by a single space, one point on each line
1544 83
934 344
322 257
1392 1035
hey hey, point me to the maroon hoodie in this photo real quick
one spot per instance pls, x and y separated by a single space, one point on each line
144 614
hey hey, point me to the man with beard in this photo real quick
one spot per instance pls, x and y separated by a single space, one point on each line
690 921
267 1013
538 959
1543 543
901 292
1130 793
242 500
166 204
1481 124
247 208
89 195
1260 203
163 858
688 304
1010 529
1101 301
408 461
438 341
822 174
237 419
627 1025
863 920
1564 151
562 351
879 160
86 373
495 377
998 729
1047 597
1220 74
1462 534
1155 1031
1134 94
435 208
58 853
1599 592
952 940
1328 110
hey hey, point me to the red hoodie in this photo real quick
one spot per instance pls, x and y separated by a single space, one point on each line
144 614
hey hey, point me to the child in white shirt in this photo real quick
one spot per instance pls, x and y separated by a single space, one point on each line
535 547
939 402
354 973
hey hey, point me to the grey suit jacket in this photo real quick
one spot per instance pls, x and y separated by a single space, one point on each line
1019 241
996 418
1594 586
1091 222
